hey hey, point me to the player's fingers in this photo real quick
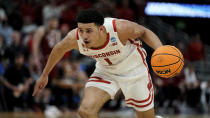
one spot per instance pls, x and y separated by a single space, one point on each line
41 86
40 91
36 88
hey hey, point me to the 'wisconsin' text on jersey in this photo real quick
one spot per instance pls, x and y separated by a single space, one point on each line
106 54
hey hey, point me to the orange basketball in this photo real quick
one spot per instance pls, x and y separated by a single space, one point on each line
167 61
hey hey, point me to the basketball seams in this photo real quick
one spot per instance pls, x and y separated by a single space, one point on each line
178 52
168 64
170 75
176 70
166 54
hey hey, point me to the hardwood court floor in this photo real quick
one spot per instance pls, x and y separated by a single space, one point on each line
74 115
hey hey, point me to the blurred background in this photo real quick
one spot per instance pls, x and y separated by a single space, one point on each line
30 28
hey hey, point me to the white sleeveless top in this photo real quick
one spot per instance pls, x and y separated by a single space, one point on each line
114 57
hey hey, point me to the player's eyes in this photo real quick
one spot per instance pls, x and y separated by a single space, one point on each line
81 31
89 31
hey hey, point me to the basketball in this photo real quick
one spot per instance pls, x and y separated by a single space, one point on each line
167 61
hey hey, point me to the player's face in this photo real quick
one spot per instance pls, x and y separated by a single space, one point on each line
89 33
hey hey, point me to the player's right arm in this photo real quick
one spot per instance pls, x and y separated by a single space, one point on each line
36 45
67 44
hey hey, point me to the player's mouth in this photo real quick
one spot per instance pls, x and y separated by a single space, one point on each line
86 42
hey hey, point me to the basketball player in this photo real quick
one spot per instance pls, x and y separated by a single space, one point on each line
121 62
44 40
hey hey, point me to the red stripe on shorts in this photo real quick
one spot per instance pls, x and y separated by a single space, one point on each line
139 101
99 80
140 106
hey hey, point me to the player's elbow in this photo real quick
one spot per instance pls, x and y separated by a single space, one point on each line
143 33
59 48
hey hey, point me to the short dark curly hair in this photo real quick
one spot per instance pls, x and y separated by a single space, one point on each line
90 16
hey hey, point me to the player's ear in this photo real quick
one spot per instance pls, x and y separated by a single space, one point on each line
101 28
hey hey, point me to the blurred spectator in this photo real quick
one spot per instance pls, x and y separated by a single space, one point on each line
69 14
138 7
2 70
17 81
44 40
2 15
183 48
125 12
52 10
28 25
170 35
168 91
205 96
2 47
196 49
15 18
193 91
106 7
64 30
28 30
6 31
28 10
84 4
191 79
2 98
67 90
16 47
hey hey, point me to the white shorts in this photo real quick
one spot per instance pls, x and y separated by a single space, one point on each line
137 88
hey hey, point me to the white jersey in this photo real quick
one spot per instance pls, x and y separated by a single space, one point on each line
121 67
114 57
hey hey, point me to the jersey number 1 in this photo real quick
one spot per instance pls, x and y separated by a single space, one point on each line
108 61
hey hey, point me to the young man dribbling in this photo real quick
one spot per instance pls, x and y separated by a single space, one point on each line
121 62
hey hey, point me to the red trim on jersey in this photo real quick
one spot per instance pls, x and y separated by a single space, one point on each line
77 34
144 53
142 56
99 80
149 86
139 101
132 42
114 25
107 41
140 106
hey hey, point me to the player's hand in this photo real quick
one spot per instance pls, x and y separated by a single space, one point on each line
40 84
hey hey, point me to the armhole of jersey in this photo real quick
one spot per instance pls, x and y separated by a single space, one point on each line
77 34
114 25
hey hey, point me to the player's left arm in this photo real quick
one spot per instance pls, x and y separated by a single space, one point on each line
130 30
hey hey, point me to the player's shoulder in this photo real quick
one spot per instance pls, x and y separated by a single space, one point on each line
72 34
70 40
123 25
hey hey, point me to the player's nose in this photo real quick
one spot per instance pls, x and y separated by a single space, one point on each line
85 36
